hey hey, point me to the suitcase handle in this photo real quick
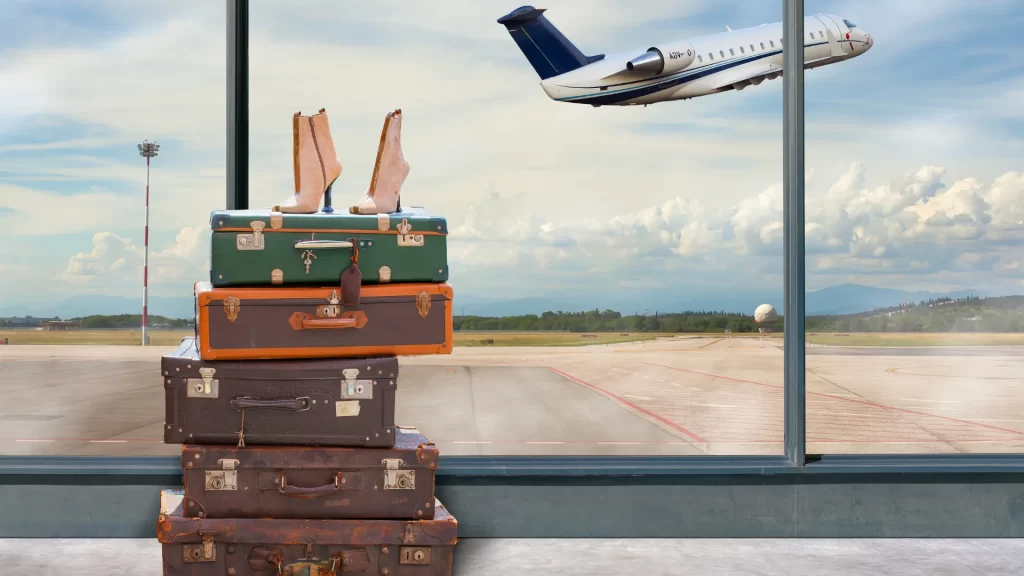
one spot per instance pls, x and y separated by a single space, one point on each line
301 321
301 492
321 244
297 405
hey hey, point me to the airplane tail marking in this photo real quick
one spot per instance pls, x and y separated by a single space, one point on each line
548 50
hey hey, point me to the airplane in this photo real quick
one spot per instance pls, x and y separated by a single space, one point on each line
679 70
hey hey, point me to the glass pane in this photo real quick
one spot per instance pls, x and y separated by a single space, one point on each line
914 229
82 84
607 261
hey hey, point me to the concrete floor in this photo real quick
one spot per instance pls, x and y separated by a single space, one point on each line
646 557
685 395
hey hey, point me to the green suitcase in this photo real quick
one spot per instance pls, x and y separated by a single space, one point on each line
260 247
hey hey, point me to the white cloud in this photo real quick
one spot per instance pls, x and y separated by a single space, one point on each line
920 226
115 262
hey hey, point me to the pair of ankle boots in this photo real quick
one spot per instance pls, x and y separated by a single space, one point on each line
317 167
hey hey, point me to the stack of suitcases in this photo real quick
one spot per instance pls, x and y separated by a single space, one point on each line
285 400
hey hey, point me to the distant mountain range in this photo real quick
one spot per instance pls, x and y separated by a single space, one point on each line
841 299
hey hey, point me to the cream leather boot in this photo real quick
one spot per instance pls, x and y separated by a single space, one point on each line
315 162
389 172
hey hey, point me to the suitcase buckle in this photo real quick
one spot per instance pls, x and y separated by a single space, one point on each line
205 552
224 479
331 309
252 241
205 387
406 239
396 479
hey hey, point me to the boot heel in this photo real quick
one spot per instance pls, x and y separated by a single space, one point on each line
327 199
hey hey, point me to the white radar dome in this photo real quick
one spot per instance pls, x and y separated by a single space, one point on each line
765 313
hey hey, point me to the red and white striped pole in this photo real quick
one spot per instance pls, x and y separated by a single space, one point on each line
145 266
148 150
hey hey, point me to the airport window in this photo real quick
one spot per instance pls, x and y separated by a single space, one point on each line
667 409
946 370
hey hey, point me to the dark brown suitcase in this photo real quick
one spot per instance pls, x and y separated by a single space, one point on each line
280 482
271 547
318 402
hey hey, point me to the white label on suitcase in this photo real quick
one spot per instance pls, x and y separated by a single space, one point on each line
346 408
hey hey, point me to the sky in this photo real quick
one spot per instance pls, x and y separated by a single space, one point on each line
914 150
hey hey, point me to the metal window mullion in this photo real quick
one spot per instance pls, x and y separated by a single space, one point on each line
238 105
793 226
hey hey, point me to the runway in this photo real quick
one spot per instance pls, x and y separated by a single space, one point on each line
691 395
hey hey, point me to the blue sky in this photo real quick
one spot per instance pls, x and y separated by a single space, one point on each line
914 152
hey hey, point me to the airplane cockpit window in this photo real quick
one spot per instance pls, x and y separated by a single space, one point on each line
849 24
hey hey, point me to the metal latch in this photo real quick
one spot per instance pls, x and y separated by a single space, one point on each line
224 479
406 239
396 479
414 555
205 387
205 552
331 309
252 241
353 389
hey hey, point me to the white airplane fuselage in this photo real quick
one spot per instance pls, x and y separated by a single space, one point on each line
704 65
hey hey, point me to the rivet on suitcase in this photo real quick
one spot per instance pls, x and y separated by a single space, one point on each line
318 402
315 483
243 546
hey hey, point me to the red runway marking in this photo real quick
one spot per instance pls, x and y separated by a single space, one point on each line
625 402
845 399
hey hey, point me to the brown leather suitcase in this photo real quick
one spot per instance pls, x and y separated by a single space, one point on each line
270 322
271 547
314 483
319 402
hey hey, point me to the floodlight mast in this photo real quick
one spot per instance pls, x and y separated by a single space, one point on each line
147 150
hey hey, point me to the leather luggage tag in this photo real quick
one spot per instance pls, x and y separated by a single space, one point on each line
351 279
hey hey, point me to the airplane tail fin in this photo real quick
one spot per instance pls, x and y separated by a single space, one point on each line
545 47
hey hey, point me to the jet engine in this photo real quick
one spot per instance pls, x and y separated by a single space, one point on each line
665 60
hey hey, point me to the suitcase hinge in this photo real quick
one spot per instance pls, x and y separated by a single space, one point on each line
406 239
224 479
205 552
252 241
276 220
383 222
205 387
396 479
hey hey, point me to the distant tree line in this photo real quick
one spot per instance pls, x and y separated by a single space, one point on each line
129 321
612 321
969 314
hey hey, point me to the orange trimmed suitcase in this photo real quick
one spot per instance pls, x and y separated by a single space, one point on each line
266 323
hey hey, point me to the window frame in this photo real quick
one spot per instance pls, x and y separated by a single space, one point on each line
85 470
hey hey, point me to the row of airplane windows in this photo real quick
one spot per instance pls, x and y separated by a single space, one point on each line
711 55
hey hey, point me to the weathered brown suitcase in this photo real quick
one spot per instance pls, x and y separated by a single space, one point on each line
315 483
322 322
271 547
320 402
